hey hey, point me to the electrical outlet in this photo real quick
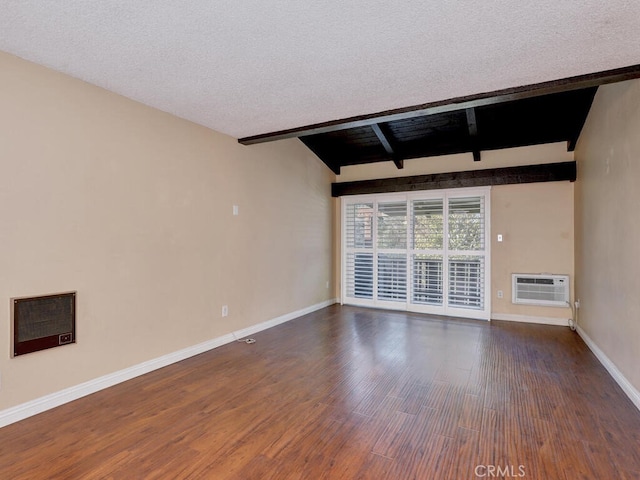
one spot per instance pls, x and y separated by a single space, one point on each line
225 310
500 294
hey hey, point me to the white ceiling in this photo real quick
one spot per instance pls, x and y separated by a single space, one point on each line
250 67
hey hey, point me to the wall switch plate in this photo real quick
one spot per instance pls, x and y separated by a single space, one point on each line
236 210
499 237
225 310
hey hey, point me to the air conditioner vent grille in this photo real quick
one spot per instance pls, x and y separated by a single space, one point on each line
540 289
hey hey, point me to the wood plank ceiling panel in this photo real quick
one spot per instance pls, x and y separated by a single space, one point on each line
529 121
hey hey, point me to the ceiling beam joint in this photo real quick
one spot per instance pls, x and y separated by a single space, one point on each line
386 143
472 124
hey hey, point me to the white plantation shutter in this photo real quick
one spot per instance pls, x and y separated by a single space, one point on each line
427 279
427 224
427 234
360 275
466 282
392 276
466 224
392 225
358 236
392 251
359 225
466 238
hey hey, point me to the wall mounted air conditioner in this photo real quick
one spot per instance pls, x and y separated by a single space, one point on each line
540 289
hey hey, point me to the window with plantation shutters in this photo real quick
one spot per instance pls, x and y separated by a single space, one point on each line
421 251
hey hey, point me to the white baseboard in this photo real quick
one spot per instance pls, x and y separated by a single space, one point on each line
562 322
282 319
39 405
630 390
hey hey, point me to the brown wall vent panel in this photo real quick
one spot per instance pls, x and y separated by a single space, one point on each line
43 322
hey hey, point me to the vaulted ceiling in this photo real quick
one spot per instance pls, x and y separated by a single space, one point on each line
256 68
516 118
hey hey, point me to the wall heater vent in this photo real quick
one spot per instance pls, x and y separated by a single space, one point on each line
43 322
540 289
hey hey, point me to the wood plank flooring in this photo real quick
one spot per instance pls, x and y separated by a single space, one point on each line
350 393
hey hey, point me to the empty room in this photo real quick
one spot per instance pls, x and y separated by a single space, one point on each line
330 240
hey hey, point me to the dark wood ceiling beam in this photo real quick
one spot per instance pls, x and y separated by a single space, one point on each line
386 143
383 139
471 122
473 133
553 172
457 103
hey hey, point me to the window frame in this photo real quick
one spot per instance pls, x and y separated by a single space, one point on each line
409 251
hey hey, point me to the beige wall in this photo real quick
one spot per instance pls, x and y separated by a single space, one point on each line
132 208
607 226
536 224
536 220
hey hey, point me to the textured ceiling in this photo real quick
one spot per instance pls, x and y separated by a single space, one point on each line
251 67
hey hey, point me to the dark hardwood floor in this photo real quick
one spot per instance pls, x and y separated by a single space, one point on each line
349 393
